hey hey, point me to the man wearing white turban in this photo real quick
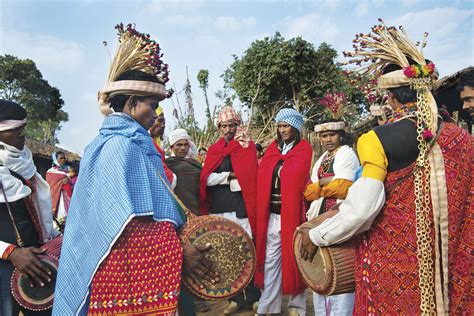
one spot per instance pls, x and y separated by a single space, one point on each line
186 168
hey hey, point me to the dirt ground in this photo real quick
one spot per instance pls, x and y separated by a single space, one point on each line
217 308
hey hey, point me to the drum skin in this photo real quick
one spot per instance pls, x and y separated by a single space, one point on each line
232 253
38 298
332 270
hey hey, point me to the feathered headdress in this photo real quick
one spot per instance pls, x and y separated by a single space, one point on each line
373 52
389 45
135 51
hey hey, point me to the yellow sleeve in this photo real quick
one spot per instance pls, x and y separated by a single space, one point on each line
372 156
336 189
312 192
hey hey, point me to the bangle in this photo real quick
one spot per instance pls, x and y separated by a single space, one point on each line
8 251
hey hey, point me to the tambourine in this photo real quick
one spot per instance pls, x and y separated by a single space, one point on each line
232 253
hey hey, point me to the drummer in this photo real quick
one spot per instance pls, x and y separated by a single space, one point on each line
282 176
228 187
31 211
121 252
333 174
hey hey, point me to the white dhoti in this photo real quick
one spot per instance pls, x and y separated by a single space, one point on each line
334 305
271 299
243 222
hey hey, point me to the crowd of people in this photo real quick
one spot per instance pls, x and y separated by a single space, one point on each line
405 193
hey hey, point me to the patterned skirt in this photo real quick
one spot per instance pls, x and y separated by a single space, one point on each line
142 273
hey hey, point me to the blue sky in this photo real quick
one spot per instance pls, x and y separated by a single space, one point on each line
65 38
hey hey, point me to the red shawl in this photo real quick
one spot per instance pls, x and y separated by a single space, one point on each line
244 164
294 176
55 181
168 172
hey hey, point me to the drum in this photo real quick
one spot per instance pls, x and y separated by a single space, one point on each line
38 298
332 269
232 252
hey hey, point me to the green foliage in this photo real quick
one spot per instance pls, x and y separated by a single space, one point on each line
203 78
275 71
22 82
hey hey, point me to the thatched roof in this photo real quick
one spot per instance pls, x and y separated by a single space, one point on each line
450 81
46 150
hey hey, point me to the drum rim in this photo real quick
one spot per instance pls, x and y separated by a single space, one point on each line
16 291
252 262
326 254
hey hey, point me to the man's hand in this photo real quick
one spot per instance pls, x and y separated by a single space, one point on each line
27 262
325 181
307 248
196 266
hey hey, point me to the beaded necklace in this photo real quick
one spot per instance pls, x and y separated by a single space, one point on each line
407 110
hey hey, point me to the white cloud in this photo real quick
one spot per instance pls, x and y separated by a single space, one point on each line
450 35
47 51
312 27
440 21
233 23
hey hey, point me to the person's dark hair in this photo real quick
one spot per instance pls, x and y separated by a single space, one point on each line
347 138
296 134
466 80
118 102
202 149
258 147
59 152
75 166
403 94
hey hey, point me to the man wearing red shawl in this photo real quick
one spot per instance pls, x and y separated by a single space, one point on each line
282 177
413 202
228 186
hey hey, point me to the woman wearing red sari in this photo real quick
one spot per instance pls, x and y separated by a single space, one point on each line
282 176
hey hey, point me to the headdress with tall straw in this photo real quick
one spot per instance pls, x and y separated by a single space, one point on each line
372 53
135 51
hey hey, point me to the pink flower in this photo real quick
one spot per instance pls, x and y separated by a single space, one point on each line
427 135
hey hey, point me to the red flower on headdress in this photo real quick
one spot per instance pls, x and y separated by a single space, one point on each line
427 135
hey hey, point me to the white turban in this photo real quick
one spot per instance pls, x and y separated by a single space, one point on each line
180 134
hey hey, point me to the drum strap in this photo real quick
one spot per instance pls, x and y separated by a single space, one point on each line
19 241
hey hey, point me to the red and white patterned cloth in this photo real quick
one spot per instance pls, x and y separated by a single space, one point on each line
142 273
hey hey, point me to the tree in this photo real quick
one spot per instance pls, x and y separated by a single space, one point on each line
22 82
274 72
203 78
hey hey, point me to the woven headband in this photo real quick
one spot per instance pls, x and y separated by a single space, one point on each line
128 87
330 126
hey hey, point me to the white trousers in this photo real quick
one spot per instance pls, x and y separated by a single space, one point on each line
243 222
270 301
334 305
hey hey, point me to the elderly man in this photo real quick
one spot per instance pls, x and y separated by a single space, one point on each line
228 186
186 168
28 196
